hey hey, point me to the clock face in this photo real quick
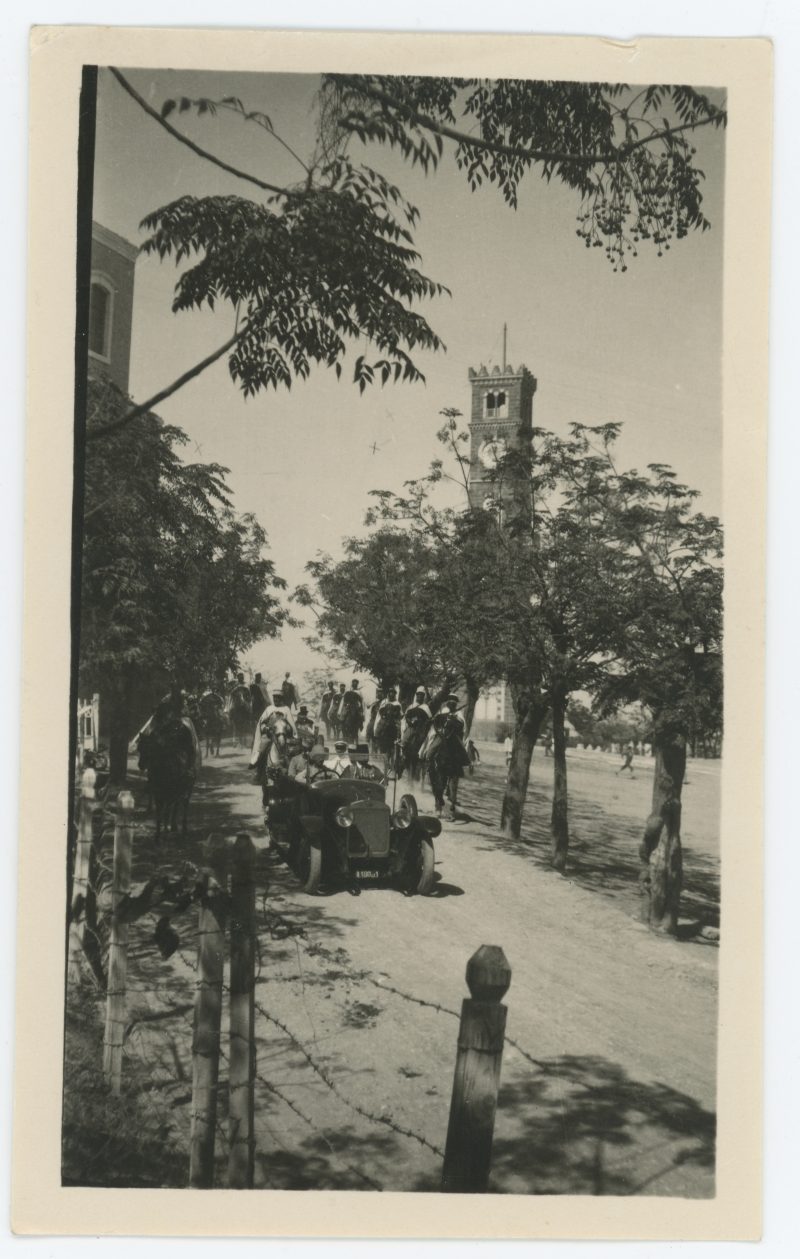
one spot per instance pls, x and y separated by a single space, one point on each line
492 451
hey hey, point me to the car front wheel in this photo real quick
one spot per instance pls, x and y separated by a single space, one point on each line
309 865
423 868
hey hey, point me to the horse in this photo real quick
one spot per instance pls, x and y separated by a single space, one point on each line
387 735
270 752
411 744
167 755
239 709
351 721
447 759
212 717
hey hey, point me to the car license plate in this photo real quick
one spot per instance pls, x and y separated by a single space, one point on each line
367 874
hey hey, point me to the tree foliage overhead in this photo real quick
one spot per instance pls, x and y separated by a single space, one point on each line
312 268
173 584
626 151
334 262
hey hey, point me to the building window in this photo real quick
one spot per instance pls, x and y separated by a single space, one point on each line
101 301
496 404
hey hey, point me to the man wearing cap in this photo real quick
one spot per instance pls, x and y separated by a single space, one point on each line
360 766
335 710
340 761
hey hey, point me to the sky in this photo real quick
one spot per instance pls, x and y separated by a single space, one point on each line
641 347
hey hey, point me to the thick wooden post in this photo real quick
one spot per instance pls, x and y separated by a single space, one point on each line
468 1152
80 874
118 945
208 1016
242 1014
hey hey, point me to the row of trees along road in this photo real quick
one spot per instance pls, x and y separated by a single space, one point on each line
591 579
311 267
174 586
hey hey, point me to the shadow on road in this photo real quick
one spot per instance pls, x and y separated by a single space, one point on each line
583 1126
603 850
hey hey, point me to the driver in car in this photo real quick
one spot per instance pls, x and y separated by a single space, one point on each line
314 769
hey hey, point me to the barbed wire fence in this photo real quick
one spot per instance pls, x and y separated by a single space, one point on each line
192 1084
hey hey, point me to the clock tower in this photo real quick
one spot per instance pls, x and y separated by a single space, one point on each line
501 424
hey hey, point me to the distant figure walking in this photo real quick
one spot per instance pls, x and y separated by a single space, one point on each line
508 748
628 761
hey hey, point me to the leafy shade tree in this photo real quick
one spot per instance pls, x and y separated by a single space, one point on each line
173 585
669 654
366 605
465 608
631 725
313 267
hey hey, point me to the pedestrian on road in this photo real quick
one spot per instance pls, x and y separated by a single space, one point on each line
508 748
628 761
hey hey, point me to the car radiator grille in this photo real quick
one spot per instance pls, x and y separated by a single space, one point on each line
369 834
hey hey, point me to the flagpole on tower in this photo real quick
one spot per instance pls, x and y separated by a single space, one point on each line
505 333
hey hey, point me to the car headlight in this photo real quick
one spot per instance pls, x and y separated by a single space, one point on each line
402 819
344 816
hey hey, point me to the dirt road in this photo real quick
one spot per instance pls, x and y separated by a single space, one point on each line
609 1086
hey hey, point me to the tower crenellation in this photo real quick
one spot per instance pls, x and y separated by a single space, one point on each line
501 422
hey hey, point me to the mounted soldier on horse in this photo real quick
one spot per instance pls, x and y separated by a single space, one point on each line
416 724
446 755
351 713
239 711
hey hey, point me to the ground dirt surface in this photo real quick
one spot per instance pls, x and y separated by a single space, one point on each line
608 1081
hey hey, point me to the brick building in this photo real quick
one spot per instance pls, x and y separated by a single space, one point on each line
111 305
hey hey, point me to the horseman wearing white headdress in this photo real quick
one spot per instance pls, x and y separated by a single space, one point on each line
274 714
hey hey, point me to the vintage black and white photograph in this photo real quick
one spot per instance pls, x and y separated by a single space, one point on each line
392 843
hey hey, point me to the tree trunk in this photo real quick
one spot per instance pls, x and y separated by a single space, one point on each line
473 691
406 692
660 852
119 731
530 718
559 825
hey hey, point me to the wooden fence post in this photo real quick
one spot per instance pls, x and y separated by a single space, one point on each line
80 874
241 1161
468 1152
208 1015
118 945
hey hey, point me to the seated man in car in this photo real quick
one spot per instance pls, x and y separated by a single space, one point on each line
315 770
360 765
298 762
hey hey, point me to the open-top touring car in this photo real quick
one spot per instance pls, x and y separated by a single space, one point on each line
343 831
